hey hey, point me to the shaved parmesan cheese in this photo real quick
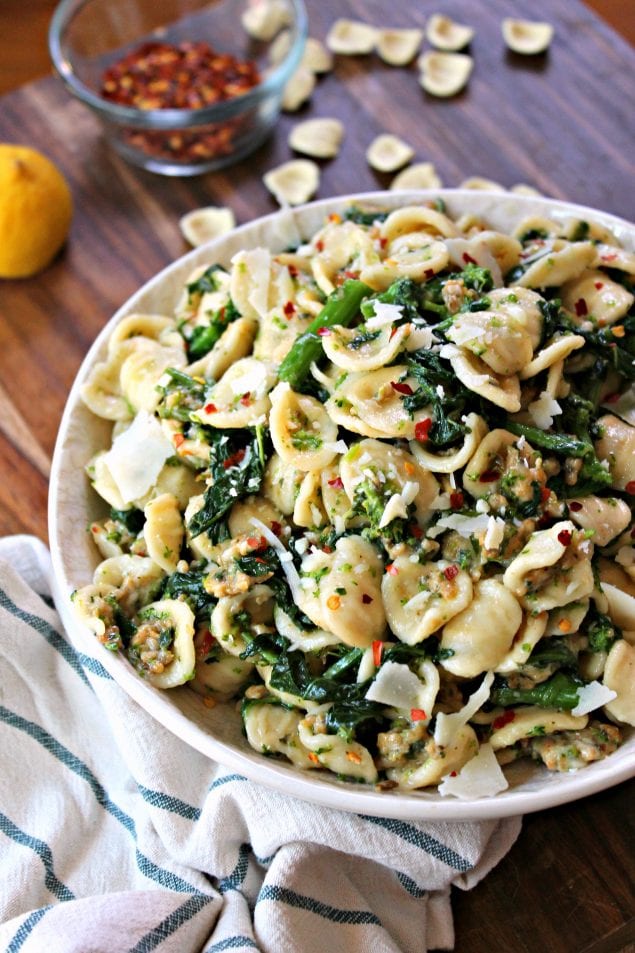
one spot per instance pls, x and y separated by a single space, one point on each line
287 566
137 456
448 725
482 506
252 381
397 505
482 776
396 686
593 696
465 526
495 532
543 410
384 314
339 446
420 338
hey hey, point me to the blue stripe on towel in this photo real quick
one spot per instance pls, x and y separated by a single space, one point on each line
171 924
45 629
25 929
226 779
53 884
419 838
167 802
231 943
235 880
335 914
408 884
147 867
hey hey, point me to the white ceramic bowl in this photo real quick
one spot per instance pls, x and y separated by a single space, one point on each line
217 732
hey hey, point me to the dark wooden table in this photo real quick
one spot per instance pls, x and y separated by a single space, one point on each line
562 122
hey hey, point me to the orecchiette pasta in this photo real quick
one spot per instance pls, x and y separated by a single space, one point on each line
379 487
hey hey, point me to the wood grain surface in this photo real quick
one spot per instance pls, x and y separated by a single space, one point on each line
562 122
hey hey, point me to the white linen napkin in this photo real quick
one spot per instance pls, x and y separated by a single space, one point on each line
117 836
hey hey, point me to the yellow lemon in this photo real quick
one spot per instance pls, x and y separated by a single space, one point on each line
35 211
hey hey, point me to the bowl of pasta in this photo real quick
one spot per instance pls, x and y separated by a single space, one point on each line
358 482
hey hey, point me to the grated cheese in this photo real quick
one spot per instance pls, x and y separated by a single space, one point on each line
448 725
137 456
592 696
482 776
495 532
396 686
384 314
543 410
288 568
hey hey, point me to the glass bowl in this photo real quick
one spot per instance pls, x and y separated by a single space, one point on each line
89 37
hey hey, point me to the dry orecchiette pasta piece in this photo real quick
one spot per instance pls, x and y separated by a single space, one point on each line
379 404
420 597
294 182
342 346
164 531
241 397
155 620
398 47
479 183
257 603
522 188
619 676
481 635
301 430
387 153
235 342
222 678
421 175
606 518
452 460
348 589
345 758
594 297
316 57
262 19
553 569
351 37
274 728
616 445
390 470
446 34
533 721
201 225
611 256
558 266
427 768
444 74
298 89
480 378
527 37
320 138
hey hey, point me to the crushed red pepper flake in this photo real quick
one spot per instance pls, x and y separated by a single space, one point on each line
450 572
456 500
422 429
234 459
598 284
289 309
337 483
545 493
417 714
564 537
630 487
575 506
402 388
505 719
580 307
392 570
210 408
366 599
276 527
468 259
323 332
178 439
378 648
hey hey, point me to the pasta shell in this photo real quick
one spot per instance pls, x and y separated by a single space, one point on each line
616 445
298 89
428 768
320 138
92 606
447 35
345 758
419 263
532 721
558 266
235 342
482 634
419 598
521 188
388 153
153 327
444 74
527 37
243 512
417 218
554 352
223 678
610 256
342 347
531 631
619 676
316 57
294 182
565 569
257 604
452 460
204 224
308 510
164 531
605 301
351 37
422 175
478 376
102 392
606 518
143 369
262 19
378 404
302 433
281 484
241 397
273 728
398 47
504 346
342 246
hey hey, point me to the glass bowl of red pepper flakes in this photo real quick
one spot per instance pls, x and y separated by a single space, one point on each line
181 87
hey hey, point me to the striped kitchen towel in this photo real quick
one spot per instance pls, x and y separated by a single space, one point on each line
116 836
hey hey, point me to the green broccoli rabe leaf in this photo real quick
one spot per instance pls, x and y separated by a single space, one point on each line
438 387
360 216
559 692
203 337
189 586
259 563
237 463
600 631
405 293
552 651
180 395
133 519
205 283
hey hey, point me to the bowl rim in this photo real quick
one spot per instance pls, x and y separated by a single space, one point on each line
280 776
172 118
